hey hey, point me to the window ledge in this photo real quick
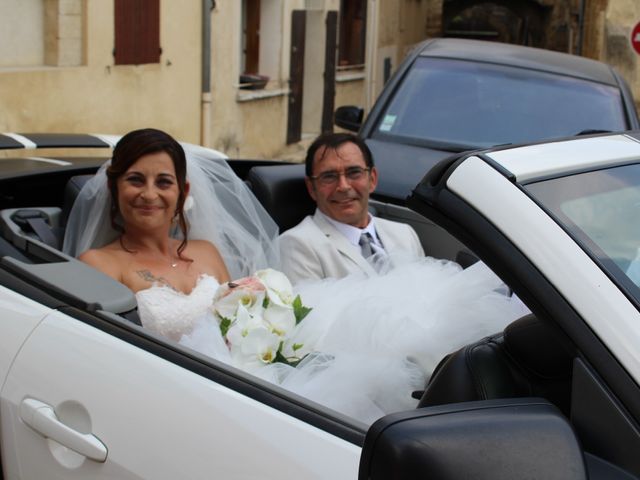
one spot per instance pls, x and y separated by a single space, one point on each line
350 76
35 68
249 95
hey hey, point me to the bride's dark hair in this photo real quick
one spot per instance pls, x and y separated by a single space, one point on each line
128 151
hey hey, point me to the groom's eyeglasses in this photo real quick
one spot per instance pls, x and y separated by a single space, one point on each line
352 174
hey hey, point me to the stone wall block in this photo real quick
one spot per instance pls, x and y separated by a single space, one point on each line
70 26
70 52
70 7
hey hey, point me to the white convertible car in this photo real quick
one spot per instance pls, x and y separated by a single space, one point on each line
87 393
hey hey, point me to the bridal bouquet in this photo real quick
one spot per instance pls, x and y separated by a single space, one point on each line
257 316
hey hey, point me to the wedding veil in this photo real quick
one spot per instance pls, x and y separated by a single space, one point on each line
222 210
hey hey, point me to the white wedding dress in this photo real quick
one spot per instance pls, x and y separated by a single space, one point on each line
373 341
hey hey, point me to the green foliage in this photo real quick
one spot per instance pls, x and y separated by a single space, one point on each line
299 310
225 323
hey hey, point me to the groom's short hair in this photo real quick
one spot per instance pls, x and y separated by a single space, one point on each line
332 141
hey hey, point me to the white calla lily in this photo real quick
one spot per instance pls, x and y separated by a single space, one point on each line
244 322
228 305
279 288
280 319
258 348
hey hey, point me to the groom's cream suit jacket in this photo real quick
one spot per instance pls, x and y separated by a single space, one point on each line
315 249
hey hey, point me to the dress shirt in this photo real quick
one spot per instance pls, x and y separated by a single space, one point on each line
353 234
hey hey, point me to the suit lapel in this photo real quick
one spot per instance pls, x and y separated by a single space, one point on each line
342 244
383 235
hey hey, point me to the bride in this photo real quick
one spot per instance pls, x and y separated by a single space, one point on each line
168 231
173 229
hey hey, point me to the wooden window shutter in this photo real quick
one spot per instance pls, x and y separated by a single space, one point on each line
137 32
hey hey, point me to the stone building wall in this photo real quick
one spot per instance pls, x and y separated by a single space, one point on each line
608 28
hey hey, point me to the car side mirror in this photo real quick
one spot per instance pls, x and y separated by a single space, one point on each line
491 439
349 117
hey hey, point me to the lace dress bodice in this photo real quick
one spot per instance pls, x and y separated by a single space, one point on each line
171 313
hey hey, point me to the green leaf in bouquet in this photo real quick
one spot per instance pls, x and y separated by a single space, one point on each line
299 310
265 302
297 346
225 323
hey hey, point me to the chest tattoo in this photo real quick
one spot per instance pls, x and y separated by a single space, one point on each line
147 276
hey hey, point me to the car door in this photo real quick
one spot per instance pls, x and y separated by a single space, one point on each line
484 207
73 387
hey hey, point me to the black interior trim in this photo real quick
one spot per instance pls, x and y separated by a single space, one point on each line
7 142
601 422
65 140
7 249
600 469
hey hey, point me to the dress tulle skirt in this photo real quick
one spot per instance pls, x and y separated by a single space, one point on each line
372 341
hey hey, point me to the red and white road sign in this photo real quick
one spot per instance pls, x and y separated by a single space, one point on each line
635 38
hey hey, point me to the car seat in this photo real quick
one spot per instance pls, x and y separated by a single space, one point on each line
282 192
527 360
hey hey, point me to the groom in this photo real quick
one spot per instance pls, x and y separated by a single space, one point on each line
336 240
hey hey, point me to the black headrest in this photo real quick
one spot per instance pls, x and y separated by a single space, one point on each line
71 191
527 359
282 192
536 347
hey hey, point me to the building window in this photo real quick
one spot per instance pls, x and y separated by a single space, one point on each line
261 41
137 32
353 30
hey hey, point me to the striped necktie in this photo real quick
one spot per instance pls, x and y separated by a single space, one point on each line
365 245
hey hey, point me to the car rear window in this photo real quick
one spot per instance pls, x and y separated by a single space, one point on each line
480 105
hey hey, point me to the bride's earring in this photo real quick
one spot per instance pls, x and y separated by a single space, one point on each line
189 203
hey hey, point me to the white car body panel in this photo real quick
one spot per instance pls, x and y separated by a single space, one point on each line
551 159
19 317
163 422
587 288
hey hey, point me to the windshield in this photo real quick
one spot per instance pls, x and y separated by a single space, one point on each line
481 105
601 210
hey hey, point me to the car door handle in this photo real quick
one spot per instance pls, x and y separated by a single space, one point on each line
42 418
